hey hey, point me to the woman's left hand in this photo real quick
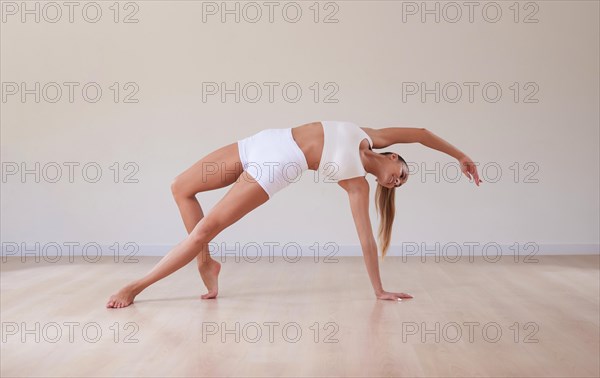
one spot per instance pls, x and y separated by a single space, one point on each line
393 296
469 169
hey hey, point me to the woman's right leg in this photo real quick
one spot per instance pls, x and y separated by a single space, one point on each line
218 169
244 196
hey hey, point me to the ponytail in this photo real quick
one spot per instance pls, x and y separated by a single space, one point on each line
385 205
386 208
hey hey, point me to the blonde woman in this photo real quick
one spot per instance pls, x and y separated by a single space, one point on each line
262 164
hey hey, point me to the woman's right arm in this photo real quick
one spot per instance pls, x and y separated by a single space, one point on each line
387 136
467 166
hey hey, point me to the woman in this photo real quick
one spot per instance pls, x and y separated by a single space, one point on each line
259 166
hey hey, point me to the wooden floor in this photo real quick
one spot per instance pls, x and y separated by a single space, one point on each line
305 319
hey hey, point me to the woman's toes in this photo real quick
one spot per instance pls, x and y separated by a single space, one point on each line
209 295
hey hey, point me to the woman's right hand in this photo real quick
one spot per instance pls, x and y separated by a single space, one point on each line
393 296
469 169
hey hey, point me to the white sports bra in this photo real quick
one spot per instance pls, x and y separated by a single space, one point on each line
340 159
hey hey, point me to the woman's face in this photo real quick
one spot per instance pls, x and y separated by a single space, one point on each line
395 172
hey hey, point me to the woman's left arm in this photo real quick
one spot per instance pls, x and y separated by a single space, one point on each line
358 196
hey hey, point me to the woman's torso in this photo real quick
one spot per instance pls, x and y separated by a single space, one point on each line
310 138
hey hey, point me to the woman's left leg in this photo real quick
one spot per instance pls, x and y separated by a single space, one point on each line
218 169
244 196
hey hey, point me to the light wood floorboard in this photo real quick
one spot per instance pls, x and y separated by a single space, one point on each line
548 314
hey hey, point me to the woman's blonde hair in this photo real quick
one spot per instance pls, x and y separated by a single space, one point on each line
386 208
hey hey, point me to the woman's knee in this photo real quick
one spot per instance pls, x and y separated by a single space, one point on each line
178 188
204 231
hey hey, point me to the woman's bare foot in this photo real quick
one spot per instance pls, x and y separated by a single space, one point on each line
124 297
209 271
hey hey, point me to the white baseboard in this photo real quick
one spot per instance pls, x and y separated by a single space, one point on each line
451 251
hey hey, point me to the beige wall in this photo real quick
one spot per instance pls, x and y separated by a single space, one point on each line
370 55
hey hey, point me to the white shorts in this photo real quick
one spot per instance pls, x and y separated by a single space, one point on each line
273 158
